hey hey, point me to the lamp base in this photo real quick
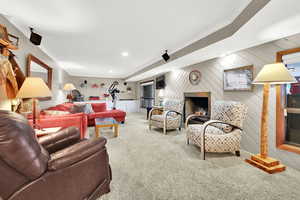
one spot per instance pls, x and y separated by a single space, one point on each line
269 165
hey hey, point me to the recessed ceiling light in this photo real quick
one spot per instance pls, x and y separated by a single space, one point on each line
124 54
110 71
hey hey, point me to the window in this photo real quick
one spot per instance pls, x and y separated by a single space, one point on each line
147 94
288 104
292 99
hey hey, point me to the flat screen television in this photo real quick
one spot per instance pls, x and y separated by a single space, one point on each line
160 82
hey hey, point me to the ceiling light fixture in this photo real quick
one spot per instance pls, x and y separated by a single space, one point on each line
124 54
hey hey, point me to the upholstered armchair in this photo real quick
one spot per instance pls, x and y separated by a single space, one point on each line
223 132
170 118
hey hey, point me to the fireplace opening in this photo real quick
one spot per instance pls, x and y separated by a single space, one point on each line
198 103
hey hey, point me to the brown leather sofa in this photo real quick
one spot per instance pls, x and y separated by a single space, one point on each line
58 167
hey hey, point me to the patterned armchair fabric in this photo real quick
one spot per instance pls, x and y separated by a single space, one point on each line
170 118
223 132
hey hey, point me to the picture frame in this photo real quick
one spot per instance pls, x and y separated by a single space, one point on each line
238 79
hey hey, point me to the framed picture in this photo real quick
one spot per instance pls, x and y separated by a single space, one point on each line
238 79
3 33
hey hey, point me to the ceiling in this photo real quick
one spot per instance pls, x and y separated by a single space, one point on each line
278 19
87 39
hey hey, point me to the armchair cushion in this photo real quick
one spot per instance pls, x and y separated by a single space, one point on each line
61 139
172 122
215 139
224 127
75 153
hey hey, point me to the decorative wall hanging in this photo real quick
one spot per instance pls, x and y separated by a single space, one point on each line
95 85
195 77
238 79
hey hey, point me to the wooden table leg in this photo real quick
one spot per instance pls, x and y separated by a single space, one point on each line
97 131
116 130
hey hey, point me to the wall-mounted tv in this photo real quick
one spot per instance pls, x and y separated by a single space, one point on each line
160 82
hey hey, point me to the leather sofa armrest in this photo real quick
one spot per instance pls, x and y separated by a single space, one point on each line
75 153
60 140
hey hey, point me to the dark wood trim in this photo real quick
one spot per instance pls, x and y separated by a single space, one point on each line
32 58
280 102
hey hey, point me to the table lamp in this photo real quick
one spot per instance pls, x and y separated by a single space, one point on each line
270 74
69 87
34 87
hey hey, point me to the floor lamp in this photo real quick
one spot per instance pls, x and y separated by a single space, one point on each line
33 88
270 74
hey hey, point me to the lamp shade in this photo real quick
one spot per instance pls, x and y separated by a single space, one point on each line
275 73
34 87
69 87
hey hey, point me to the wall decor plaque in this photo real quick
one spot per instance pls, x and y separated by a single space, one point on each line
238 79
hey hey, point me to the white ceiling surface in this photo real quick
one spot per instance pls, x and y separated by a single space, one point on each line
88 37
276 20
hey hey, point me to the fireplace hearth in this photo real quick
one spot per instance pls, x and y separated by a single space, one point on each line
197 103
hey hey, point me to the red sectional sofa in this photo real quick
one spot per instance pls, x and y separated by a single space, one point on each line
80 120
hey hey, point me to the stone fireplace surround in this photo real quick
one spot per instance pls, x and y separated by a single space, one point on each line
197 102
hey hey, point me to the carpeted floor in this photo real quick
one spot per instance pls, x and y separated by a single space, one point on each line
147 165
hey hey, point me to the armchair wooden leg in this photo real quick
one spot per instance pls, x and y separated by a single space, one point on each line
238 153
187 141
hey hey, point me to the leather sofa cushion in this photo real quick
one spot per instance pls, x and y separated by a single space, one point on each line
99 107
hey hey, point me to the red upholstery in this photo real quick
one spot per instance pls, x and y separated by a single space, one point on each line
119 115
78 120
99 107
94 98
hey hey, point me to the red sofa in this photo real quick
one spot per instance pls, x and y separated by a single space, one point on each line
100 110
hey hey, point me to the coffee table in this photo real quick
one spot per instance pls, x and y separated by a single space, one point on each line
106 122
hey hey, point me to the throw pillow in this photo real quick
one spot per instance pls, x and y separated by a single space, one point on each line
78 108
88 109
56 112
224 127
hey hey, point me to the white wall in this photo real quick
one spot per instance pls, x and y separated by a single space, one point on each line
26 47
212 80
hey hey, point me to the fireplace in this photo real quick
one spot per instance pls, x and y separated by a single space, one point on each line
197 103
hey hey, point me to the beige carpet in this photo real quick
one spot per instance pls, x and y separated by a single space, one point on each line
147 165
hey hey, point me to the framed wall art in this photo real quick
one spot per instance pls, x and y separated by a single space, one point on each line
195 77
238 79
